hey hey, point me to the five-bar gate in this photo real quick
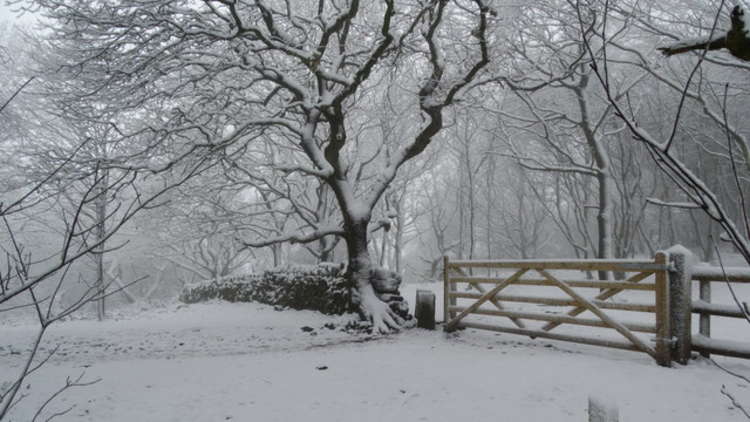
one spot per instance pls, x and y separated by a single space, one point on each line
485 296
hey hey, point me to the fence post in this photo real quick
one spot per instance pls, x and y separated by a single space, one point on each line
663 331
680 305
704 324
446 292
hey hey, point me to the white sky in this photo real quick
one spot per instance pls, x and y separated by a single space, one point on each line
7 14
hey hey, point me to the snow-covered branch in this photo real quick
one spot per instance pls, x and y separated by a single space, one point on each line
295 237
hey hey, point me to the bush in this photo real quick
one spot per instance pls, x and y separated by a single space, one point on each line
320 288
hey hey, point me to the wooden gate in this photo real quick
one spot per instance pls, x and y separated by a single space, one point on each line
646 276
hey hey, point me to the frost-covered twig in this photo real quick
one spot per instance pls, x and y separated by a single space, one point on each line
685 205
295 237
15 93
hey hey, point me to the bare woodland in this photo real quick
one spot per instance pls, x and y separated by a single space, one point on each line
146 144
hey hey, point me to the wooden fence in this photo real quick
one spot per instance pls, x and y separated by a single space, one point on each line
456 272
673 303
703 342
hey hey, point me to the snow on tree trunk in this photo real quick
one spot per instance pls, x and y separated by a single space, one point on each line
601 158
374 290
603 219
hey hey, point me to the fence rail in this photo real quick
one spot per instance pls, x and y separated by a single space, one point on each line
702 342
536 273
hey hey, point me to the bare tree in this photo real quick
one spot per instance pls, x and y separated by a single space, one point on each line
664 150
252 67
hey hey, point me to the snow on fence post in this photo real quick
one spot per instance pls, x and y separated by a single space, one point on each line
680 302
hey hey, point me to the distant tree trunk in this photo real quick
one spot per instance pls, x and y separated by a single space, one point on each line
523 241
276 252
325 249
461 219
472 211
101 216
399 235
326 244
488 215
603 218
383 248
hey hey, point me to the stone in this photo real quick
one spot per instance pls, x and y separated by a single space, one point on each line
384 281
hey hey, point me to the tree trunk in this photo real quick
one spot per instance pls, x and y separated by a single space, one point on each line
398 241
325 250
101 215
604 227
598 152
370 302
276 252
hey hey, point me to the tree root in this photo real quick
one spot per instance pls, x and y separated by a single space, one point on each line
383 319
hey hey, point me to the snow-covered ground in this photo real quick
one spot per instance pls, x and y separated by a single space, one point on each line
243 362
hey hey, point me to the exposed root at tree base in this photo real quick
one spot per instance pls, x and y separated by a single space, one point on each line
383 319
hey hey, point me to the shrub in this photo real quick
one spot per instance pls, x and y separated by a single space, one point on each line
320 288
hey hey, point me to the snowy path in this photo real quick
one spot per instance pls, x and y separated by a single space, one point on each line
245 362
212 329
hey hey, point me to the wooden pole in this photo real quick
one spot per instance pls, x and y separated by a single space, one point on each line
446 292
598 312
557 317
606 294
465 278
485 297
704 327
680 291
663 330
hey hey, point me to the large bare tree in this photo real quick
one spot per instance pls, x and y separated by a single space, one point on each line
224 72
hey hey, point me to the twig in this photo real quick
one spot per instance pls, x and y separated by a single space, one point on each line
734 402
68 384
739 304
734 374
734 164
18 91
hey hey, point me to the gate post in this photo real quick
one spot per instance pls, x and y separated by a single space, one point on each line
680 305
663 331
446 292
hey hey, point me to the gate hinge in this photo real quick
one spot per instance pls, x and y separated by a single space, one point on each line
672 341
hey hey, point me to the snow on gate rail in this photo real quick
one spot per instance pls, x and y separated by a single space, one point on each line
457 272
